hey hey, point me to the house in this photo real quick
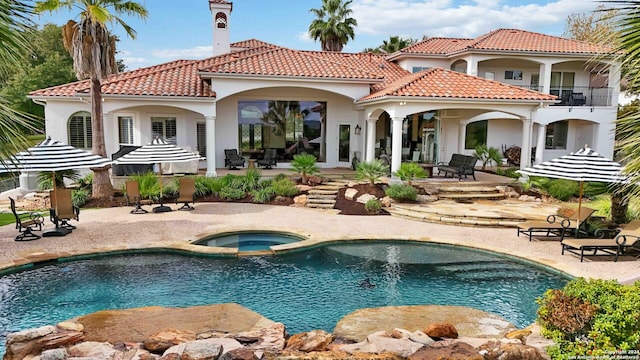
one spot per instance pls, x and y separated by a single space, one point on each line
437 97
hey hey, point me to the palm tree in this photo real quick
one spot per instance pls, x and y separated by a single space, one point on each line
93 50
395 43
628 124
14 21
332 25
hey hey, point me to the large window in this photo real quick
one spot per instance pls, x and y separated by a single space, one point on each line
164 128
125 130
80 130
476 134
290 127
557 135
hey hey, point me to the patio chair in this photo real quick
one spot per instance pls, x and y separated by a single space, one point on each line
134 198
27 223
186 193
628 237
62 209
556 226
268 159
232 160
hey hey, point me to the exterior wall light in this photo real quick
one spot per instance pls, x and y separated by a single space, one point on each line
358 129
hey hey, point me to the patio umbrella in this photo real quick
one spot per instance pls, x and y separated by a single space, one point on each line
52 155
157 152
582 165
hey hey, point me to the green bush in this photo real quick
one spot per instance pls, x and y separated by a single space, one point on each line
204 186
373 206
508 172
304 164
562 189
251 180
263 195
231 192
45 178
591 318
410 171
487 155
79 197
280 176
401 192
371 171
148 184
285 187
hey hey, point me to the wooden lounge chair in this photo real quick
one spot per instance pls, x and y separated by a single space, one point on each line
627 238
269 159
232 160
133 197
186 193
62 209
556 226
27 223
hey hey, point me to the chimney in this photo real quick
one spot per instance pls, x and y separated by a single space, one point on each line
221 13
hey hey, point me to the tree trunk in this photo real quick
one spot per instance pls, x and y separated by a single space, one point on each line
101 187
619 205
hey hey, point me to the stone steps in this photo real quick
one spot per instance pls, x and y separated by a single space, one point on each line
466 216
324 196
469 193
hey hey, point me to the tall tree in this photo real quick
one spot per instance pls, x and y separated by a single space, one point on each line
596 27
627 54
14 22
93 50
395 43
333 25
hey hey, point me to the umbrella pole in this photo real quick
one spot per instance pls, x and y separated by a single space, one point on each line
53 211
579 209
161 208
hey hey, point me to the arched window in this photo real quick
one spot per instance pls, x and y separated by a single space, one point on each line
80 130
221 20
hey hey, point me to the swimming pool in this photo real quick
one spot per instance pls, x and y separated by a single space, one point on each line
326 279
249 241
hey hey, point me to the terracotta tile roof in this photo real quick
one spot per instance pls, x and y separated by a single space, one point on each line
220 2
507 40
441 83
251 44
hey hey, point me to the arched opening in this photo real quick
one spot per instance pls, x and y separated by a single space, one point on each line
221 20
79 130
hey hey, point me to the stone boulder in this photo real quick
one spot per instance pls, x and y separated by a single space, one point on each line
225 345
316 340
21 344
201 350
350 194
441 330
365 197
93 349
239 354
270 338
161 341
447 350
383 342
502 351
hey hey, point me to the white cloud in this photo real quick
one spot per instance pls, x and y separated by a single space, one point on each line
444 18
197 52
304 36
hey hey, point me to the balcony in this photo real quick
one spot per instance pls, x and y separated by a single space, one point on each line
579 95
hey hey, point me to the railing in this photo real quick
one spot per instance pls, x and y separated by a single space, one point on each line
578 95
9 184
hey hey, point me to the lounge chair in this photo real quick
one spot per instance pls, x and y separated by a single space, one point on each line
627 238
134 198
268 159
186 193
556 226
62 209
27 223
232 160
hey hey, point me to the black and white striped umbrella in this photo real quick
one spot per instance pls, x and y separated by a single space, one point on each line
582 165
158 151
53 155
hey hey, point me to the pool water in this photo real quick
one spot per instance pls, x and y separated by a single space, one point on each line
249 241
326 279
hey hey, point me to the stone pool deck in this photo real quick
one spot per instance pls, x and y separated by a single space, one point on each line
115 229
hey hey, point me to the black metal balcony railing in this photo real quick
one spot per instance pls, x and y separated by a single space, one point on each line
579 95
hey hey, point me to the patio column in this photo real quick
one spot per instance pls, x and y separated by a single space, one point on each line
525 149
462 135
396 143
370 152
542 134
210 126
545 78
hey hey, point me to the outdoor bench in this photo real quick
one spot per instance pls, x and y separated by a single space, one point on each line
460 165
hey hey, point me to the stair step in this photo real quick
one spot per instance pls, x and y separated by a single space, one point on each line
327 187
322 192
473 189
321 201
320 206
472 196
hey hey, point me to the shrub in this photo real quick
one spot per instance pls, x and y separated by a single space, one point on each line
231 192
371 171
45 178
401 192
410 171
252 180
204 186
263 195
487 155
79 197
508 172
86 181
305 165
285 187
591 318
373 206
280 176
562 189
148 184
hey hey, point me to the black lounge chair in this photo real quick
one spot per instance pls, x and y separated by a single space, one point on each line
556 226
269 159
133 197
627 238
186 195
232 160
27 223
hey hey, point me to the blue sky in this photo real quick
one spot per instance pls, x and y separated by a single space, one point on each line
181 29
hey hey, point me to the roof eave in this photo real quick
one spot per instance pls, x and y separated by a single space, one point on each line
82 96
216 75
450 99
527 52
